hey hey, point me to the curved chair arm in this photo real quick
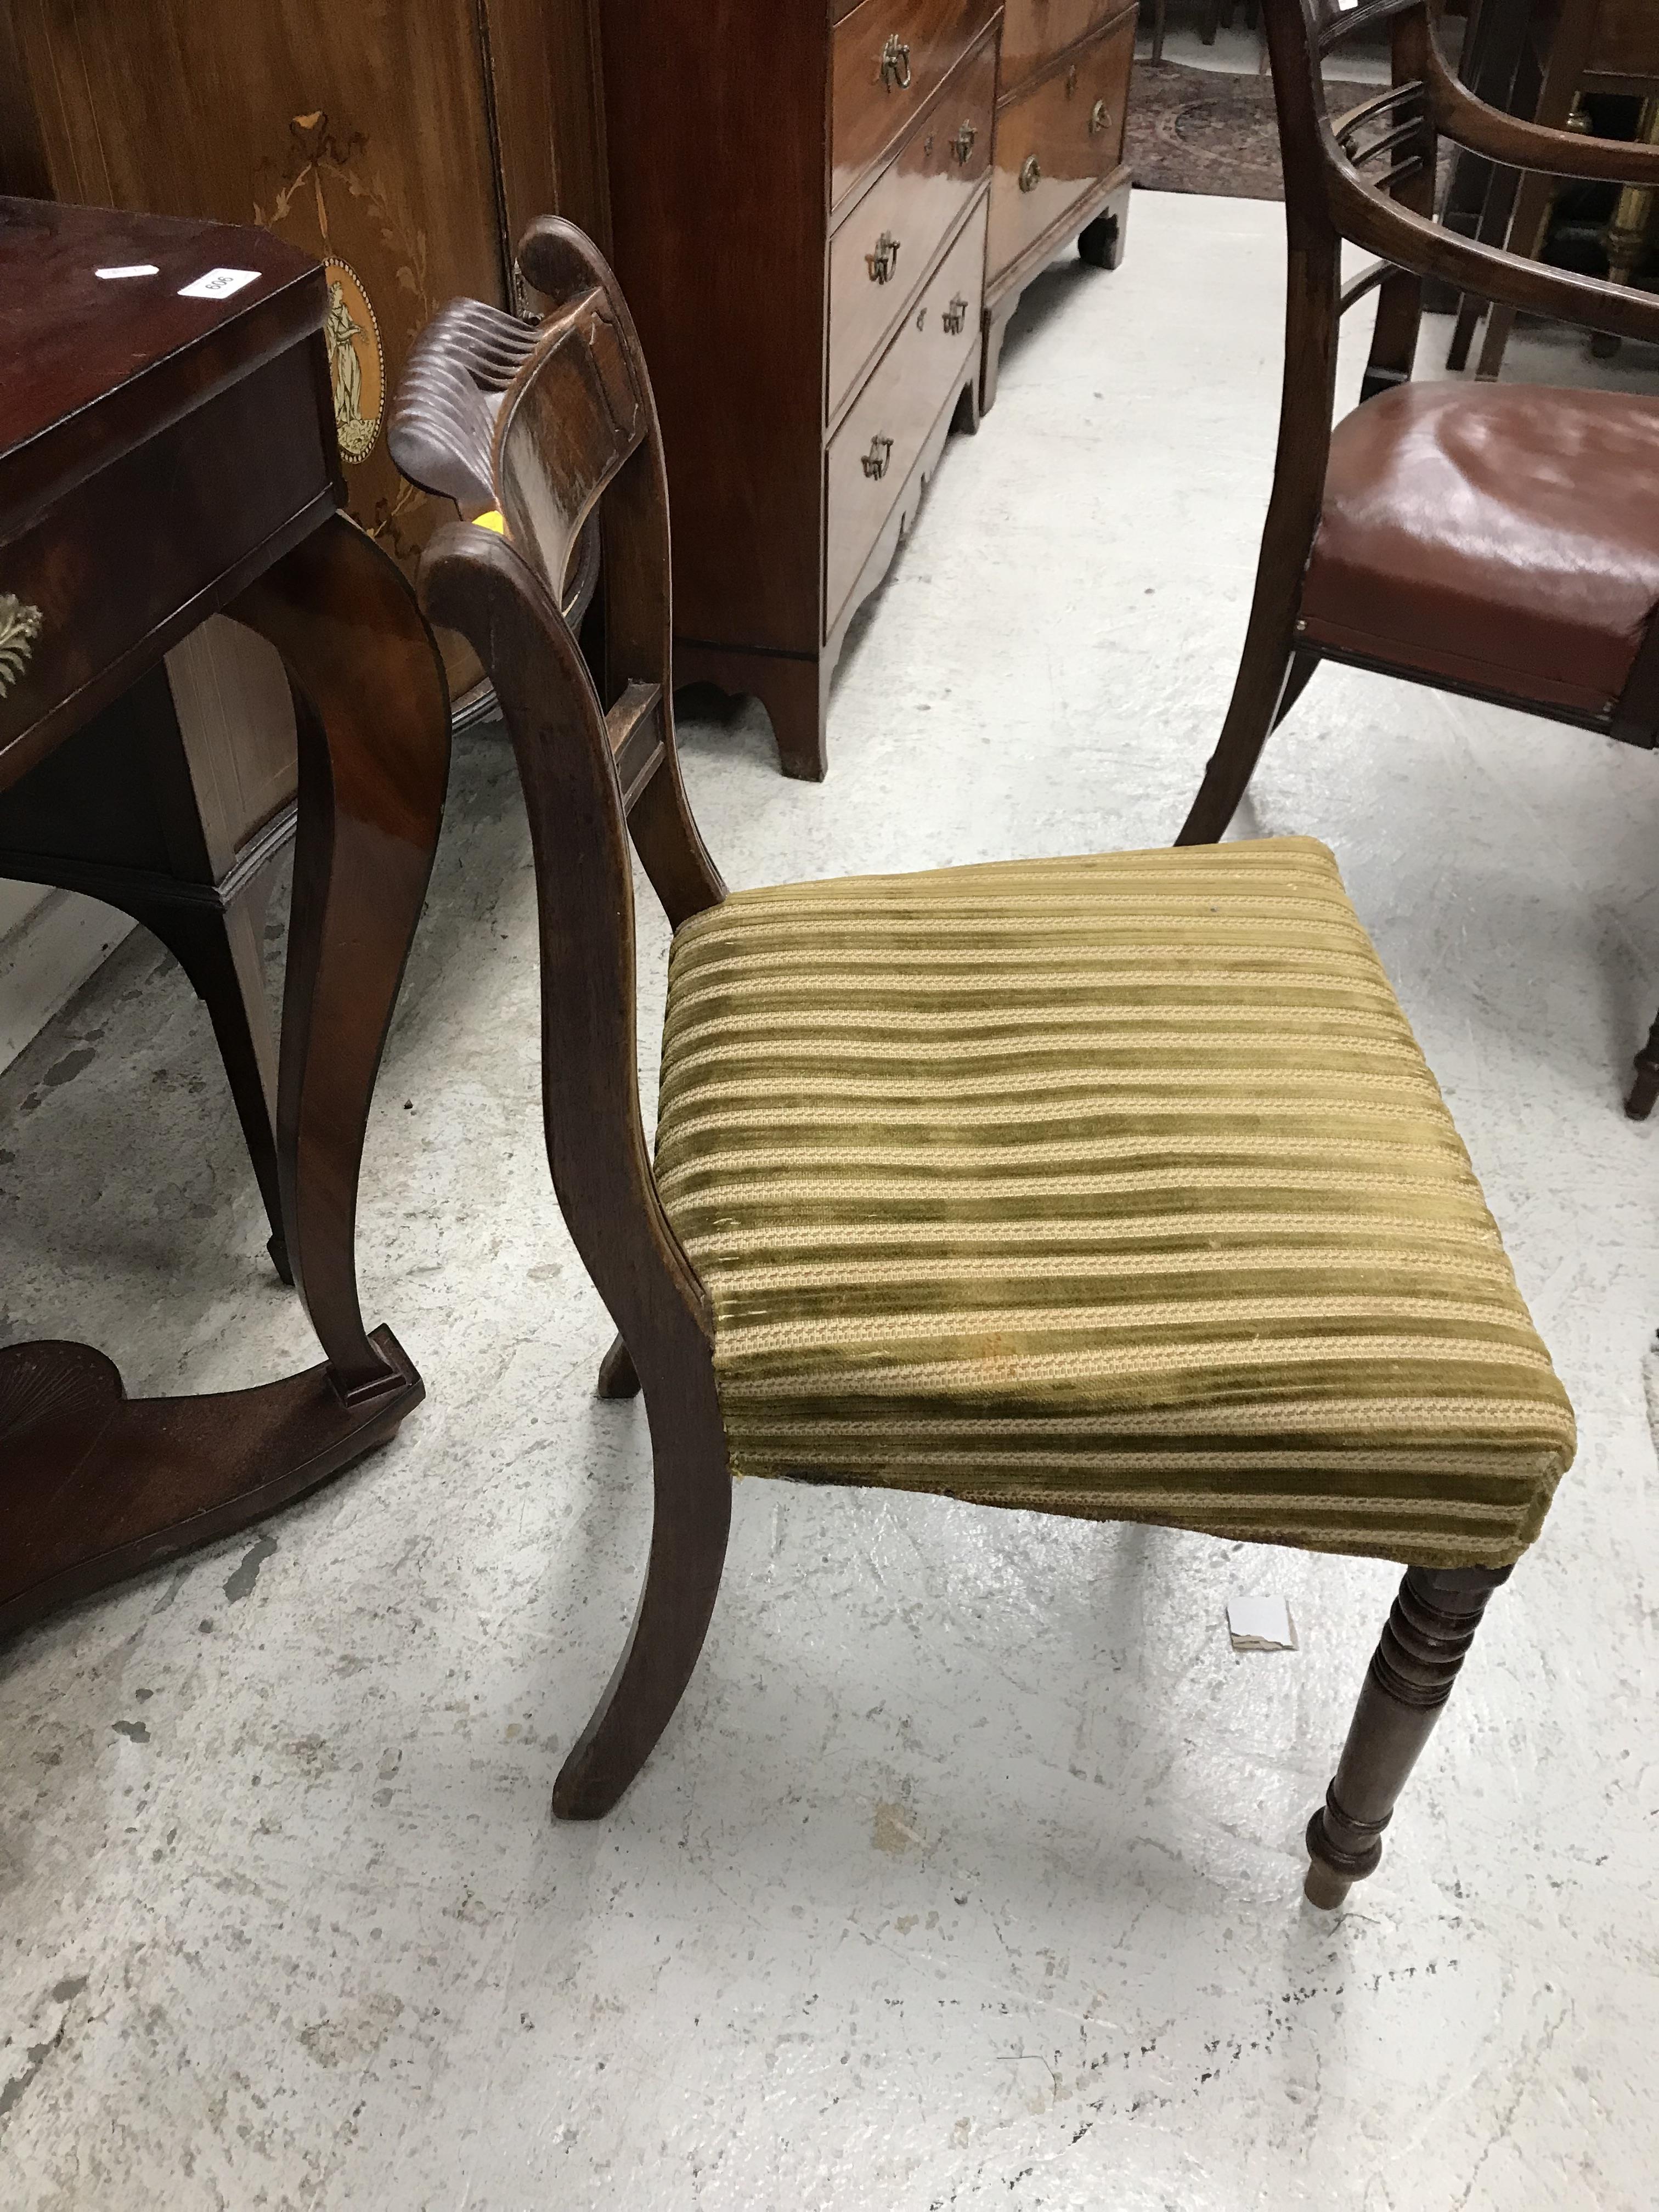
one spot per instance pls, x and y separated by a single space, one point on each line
1409 241
1517 144
1457 114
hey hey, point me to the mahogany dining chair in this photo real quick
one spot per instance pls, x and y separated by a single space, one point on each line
1114 1186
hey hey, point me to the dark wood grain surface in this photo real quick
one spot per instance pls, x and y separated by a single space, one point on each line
718 222
117 359
148 414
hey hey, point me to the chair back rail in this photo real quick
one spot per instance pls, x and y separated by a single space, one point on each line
575 442
566 425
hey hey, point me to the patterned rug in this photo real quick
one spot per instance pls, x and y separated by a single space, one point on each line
1204 130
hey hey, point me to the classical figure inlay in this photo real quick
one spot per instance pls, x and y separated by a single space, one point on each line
333 196
355 371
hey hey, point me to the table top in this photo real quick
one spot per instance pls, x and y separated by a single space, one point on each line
95 363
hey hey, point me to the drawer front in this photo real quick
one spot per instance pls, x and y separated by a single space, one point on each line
1057 139
94 590
888 58
875 449
1034 31
878 257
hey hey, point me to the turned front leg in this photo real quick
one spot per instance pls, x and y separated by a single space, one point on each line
1423 1645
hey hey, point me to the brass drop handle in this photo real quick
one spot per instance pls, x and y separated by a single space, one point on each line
963 144
876 459
896 63
1100 118
955 317
884 261
20 625
1030 174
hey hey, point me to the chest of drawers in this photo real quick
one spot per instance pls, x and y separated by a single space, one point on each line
800 198
808 197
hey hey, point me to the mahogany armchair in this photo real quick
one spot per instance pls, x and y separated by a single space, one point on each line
1501 541
1114 1187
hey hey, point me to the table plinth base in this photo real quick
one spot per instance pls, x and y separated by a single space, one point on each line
95 1486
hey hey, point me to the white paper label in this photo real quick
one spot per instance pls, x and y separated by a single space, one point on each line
1259 1623
218 283
132 269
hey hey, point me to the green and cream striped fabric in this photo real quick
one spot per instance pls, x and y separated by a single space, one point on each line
1114 1187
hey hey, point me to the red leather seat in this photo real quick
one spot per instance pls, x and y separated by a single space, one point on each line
1504 537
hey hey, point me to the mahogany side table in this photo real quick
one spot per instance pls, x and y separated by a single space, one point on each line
167 451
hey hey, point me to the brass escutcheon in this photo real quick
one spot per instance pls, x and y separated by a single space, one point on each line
20 625
1071 81
876 460
1100 118
1030 174
884 261
963 144
896 63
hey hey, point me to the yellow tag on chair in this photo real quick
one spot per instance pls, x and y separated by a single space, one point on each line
495 520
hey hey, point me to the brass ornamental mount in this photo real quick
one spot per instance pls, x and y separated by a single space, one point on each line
876 460
884 261
955 317
20 625
963 144
896 63
1100 118
1030 174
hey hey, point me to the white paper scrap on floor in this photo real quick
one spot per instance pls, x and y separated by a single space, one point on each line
970 1874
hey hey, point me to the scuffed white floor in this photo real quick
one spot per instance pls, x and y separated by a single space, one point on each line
969 1874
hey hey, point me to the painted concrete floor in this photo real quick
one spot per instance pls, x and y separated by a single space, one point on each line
968 1872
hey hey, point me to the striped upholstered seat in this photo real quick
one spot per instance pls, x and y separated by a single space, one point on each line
1112 1187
